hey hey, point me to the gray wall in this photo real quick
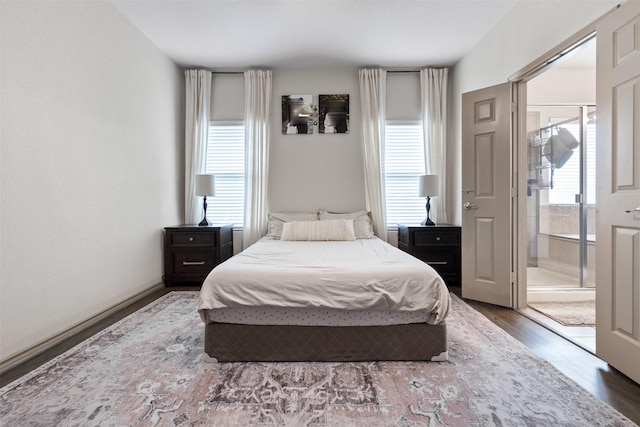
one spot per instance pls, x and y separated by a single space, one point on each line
316 171
91 158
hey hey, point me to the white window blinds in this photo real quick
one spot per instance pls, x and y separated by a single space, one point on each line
225 159
404 163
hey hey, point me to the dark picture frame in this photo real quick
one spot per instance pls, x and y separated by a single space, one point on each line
298 114
334 113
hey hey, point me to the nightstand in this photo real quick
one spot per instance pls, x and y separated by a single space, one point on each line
437 245
191 251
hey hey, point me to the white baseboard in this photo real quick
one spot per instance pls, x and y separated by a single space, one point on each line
29 353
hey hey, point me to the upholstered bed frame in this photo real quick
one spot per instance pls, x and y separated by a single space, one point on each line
375 301
286 343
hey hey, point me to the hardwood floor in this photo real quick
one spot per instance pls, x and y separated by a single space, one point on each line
581 366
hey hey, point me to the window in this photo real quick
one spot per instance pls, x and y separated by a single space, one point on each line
404 163
566 180
225 159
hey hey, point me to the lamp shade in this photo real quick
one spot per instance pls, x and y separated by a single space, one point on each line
429 185
205 185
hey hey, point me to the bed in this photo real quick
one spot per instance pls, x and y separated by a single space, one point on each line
324 289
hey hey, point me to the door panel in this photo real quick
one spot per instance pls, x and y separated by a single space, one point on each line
485 239
624 145
626 243
484 165
486 183
618 191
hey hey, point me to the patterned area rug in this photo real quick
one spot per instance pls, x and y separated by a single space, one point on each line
148 369
577 313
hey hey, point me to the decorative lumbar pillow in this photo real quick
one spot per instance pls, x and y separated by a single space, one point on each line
361 222
275 221
333 229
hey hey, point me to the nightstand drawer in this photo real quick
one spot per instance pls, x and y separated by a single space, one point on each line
444 261
438 245
191 238
429 238
193 262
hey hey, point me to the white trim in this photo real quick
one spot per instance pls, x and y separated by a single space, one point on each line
519 162
548 60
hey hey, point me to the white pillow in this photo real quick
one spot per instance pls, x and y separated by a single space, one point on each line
361 222
275 221
333 229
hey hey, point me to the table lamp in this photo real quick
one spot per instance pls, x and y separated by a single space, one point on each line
205 186
429 186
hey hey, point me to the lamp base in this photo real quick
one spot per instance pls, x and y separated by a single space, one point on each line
427 222
428 208
205 222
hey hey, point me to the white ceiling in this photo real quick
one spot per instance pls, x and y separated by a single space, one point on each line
237 34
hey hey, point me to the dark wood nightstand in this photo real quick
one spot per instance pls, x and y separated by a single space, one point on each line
437 245
191 251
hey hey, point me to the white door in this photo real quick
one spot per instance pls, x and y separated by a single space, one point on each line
618 190
486 195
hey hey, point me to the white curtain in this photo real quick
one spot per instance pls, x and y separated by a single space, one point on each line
197 105
373 86
257 84
434 118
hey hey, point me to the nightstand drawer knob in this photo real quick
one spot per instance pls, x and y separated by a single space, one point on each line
438 239
193 262
191 239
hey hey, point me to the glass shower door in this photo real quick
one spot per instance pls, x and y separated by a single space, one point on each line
560 196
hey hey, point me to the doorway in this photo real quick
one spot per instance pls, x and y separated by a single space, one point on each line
560 182
617 282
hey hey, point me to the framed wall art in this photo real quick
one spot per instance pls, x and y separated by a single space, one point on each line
298 114
334 113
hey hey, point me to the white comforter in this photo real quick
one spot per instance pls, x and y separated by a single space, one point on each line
352 275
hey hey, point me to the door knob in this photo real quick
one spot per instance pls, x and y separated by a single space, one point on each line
468 206
633 210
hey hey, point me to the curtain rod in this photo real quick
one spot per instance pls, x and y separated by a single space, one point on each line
225 72
413 70
215 71
242 72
